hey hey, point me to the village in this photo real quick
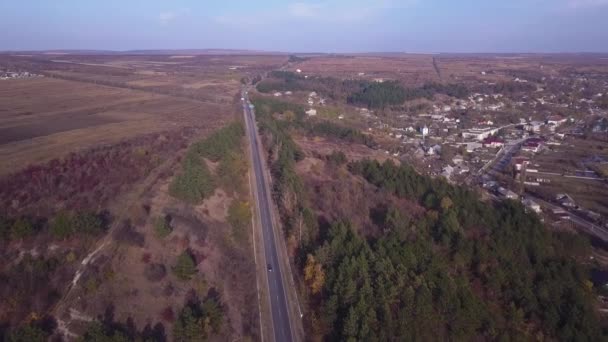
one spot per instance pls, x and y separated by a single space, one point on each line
513 147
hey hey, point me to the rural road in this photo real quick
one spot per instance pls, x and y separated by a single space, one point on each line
276 287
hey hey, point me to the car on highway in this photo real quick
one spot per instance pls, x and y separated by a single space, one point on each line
269 268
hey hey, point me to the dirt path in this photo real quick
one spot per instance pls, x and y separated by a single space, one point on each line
62 305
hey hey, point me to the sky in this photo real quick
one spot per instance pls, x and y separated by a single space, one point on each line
307 26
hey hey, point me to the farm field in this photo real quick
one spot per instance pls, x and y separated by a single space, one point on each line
89 100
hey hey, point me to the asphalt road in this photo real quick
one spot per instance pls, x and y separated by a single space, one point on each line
276 288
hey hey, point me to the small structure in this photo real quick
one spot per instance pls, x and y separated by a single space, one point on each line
565 200
424 130
530 204
311 112
458 159
506 193
534 126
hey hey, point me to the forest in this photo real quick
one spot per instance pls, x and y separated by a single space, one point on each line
464 270
373 95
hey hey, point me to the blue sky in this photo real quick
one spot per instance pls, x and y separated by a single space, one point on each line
308 26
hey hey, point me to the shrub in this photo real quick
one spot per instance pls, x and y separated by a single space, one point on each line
88 223
162 227
21 228
194 183
239 217
62 225
185 267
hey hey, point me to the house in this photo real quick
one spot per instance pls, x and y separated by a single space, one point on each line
506 193
479 133
341 116
447 171
277 94
288 92
565 200
534 126
556 120
493 142
531 147
311 112
458 159
520 163
298 71
472 146
424 130
461 169
530 204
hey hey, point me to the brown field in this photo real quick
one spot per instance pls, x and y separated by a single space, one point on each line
105 134
415 69
89 100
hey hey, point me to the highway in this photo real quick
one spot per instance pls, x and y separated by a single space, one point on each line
282 329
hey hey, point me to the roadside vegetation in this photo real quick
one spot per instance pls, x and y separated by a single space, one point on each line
196 182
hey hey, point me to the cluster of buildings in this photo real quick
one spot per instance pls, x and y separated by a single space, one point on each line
11 75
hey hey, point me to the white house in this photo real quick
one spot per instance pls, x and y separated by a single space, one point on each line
424 130
311 112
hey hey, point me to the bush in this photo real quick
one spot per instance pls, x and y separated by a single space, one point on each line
62 225
239 217
88 223
218 144
21 228
185 267
162 227
194 183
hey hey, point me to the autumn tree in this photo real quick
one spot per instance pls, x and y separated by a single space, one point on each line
314 274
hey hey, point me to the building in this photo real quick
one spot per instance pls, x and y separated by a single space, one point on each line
493 142
565 200
530 204
506 193
534 126
424 130
479 134
531 147
556 120
277 94
458 159
520 163
311 112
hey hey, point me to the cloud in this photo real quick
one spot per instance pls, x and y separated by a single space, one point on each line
167 17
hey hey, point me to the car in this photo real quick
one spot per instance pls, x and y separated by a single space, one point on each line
269 268
242 99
